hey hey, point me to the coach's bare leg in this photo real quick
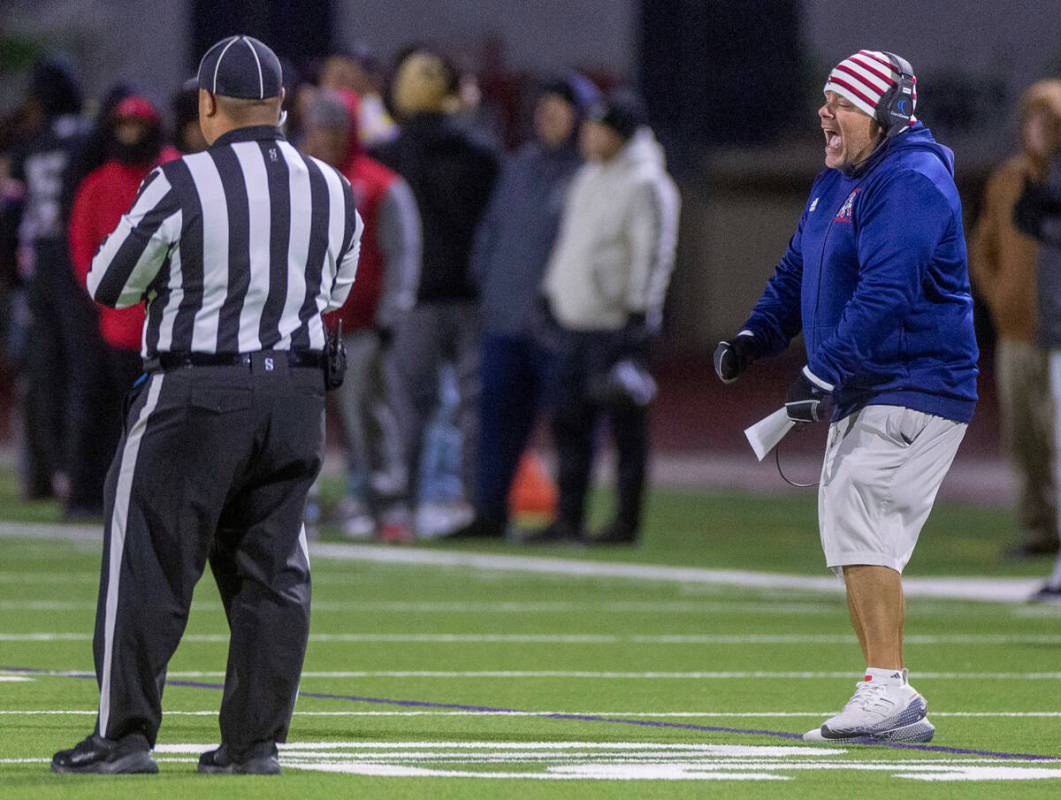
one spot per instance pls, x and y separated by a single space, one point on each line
856 623
875 597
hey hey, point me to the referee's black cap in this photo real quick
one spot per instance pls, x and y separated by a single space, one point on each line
241 66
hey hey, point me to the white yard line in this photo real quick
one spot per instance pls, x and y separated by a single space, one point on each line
719 675
590 638
633 714
36 578
500 607
1008 590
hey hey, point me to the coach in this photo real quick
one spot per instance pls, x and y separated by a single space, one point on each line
236 251
876 277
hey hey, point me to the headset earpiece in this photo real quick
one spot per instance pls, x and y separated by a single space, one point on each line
897 105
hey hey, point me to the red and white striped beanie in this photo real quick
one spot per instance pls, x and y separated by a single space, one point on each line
864 78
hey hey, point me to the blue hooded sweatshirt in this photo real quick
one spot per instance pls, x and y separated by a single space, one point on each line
877 279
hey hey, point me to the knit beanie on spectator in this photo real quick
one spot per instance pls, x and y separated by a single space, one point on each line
622 111
53 85
144 150
863 78
575 88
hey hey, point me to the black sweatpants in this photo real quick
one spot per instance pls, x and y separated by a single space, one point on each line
63 354
583 357
97 429
214 464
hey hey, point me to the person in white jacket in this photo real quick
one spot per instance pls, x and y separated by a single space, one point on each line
605 286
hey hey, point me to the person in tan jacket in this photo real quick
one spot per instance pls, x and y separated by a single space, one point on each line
1002 264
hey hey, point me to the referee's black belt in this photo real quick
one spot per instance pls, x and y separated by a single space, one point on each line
267 360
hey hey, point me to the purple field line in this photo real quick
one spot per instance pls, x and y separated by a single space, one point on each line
643 723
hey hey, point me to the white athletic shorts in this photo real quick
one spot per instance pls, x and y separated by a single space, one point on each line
883 466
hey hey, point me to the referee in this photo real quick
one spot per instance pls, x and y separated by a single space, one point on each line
237 252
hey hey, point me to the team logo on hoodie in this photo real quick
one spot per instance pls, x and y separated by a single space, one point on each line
844 214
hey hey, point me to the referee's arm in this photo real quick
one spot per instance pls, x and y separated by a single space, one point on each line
347 269
132 255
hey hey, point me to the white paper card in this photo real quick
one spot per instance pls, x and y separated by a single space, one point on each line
765 434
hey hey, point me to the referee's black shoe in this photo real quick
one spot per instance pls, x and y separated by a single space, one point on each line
261 759
128 755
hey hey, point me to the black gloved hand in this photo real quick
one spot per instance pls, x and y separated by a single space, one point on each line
809 400
637 335
735 355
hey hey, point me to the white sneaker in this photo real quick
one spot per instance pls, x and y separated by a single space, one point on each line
881 711
434 520
920 731
356 519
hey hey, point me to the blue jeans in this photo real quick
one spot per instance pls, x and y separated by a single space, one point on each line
516 376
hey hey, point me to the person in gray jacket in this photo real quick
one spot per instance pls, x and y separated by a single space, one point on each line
1038 213
511 252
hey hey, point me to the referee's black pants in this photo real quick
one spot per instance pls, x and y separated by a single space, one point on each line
214 464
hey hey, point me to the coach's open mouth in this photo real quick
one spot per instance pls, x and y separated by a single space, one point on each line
832 140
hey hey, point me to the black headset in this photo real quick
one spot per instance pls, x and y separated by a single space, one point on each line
896 106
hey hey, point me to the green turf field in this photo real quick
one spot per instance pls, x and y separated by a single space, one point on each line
474 681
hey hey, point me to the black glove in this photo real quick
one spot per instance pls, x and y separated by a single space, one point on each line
807 401
734 356
637 335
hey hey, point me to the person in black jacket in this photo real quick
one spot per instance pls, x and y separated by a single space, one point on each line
451 171
63 341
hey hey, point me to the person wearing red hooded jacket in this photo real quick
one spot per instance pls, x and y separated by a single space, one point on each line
385 288
135 148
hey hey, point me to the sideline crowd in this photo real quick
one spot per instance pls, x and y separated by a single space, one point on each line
495 291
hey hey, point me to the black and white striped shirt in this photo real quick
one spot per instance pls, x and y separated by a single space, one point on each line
236 249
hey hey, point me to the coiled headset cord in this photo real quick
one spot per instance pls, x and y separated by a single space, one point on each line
781 472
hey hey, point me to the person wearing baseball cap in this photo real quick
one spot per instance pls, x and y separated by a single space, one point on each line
235 253
241 84
876 277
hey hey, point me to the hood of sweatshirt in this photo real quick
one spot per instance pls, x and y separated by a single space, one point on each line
642 150
916 137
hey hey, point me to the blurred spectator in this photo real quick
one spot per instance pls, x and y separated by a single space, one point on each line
62 320
440 507
1002 263
187 135
1038 214
512 250
359 71
98 145
451 171
16 130
135 147
383 293
605 285
304 95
